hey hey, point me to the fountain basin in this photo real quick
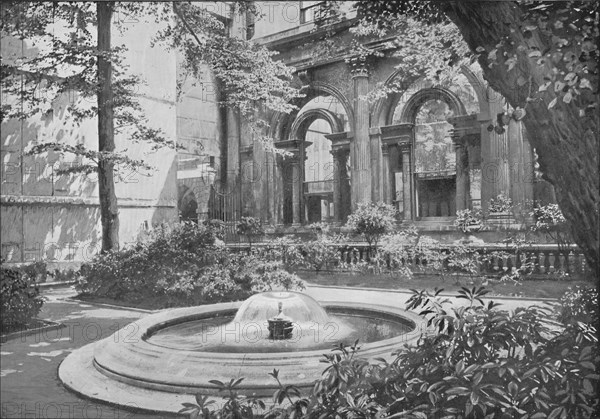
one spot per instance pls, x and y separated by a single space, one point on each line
135 360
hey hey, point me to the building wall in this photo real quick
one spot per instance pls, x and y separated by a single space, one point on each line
56 217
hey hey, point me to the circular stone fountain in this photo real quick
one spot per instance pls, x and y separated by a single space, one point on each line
155 363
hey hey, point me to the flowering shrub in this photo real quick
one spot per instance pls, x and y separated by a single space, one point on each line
320 251
20 300
501 203
285 249
550 220
468 220
181 265
372 220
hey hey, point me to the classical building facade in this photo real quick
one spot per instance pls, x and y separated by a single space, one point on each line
430 149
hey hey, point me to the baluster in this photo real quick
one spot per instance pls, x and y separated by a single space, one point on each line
542 262
560 260
569 262
551 262
511 262
497 264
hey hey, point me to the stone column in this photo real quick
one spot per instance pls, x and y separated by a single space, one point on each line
377 170
462 177
387 183
296 183
361 150
345 194
495 165
337 196
405 149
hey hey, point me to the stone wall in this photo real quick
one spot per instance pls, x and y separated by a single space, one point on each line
57 217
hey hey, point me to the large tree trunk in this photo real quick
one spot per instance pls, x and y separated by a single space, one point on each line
565 141
109 211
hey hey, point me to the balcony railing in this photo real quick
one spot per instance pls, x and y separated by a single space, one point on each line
318 187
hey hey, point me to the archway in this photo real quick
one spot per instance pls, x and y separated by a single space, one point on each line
431 176
309 177
187 204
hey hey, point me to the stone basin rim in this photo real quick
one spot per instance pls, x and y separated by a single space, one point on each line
170 317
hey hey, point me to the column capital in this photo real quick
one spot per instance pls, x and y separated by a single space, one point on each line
359 66
404 146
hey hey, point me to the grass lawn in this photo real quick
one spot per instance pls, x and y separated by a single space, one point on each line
538 288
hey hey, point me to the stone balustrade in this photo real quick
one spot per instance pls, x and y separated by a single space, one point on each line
536 260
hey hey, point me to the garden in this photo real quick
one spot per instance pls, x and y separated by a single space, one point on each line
479 361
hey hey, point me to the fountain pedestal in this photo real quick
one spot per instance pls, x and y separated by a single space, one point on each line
280 326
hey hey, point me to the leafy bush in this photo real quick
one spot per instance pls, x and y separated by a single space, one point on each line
178 265
285 249
468 220
501 203
20 299
477 362
579 304
318 252
372 220
550 220
250 227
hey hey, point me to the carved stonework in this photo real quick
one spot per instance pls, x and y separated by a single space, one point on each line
359 66
404 146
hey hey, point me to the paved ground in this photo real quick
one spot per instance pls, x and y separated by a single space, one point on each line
29 384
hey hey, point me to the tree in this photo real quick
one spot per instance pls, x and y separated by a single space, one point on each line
542 57
74 62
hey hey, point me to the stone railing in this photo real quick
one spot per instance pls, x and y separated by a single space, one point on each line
537 260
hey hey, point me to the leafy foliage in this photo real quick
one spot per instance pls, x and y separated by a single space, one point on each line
579 304
183 264
473 361
372 220
501 203
20 299
250 227
550 220
468 220
317 253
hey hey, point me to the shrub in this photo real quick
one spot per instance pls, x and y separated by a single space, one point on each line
372 220
579 304
501 203
550 220
468 220
396 251
318 252
477 362
250 227
181 265
285 249
20 299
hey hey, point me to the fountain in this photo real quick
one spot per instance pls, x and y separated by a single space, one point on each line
160 360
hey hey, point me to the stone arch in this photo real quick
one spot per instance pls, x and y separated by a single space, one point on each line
302 122
281 123
384 108
414 103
